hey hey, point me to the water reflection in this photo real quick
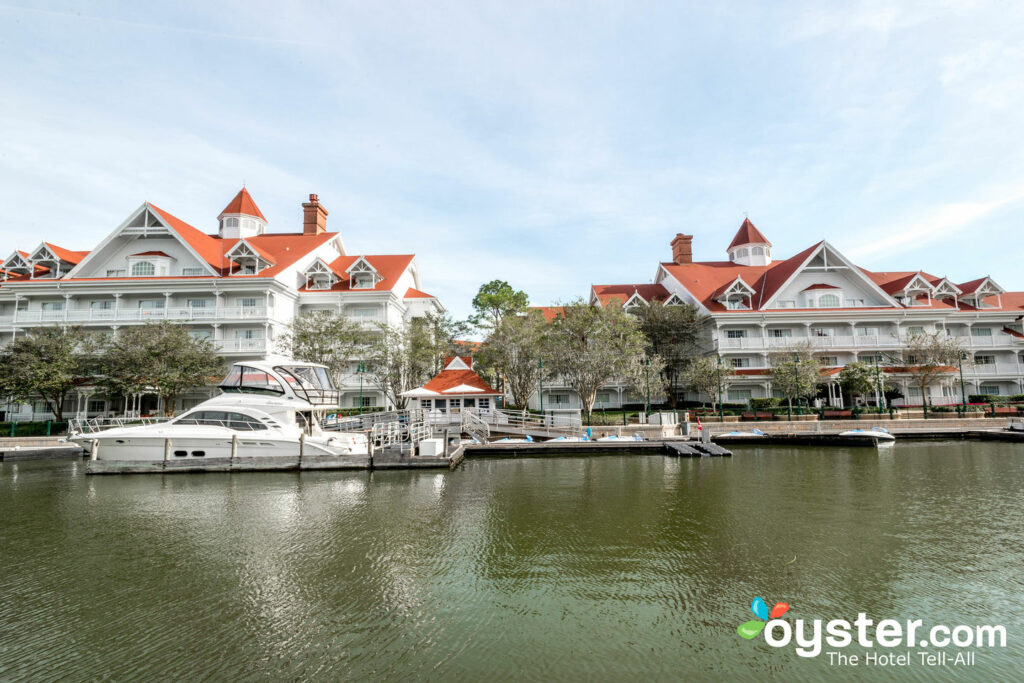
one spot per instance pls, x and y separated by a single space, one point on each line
602 568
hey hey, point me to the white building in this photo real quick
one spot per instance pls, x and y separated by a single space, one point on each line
239 286
757 305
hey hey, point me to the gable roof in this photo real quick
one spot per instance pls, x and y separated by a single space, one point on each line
68 255
417 294
549 312
605 294
460 379
389 267
207 248
748 234
243 204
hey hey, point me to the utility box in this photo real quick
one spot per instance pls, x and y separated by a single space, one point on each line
432 447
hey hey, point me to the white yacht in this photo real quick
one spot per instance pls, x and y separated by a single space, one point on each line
265 410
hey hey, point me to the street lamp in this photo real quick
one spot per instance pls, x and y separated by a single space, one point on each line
360 370
540 382
963 392
721 408
647 376
879 393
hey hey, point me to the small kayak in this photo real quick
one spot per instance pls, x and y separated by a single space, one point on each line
881 434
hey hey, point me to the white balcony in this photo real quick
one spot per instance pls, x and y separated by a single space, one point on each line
109 315
989 369
242 345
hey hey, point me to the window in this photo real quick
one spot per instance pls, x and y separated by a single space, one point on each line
780 334
40 407
981 359
101 305
371 402
914 392
249 302
829 361
739 395
191 271
143 269
365 312
989 389
248 334
915 330
231 222
823 332
557 399
740 362
871 358
981 331
200 334
96 406
854 303
787 303
362 281
757 251
736 334
828 301
217 418
485 402
22 305
115 272
604 397
53 306
867 331
151 304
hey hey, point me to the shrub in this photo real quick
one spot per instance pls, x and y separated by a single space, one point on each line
763 404
981 398
33 428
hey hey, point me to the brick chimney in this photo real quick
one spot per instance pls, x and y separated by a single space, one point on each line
682 248
314 217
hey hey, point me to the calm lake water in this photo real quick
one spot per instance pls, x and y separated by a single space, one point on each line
600 568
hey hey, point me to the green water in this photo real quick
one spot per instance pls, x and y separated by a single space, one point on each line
600 568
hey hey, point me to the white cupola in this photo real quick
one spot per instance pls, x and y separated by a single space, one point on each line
749 247
241 218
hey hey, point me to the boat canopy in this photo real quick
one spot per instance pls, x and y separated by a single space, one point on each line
306 381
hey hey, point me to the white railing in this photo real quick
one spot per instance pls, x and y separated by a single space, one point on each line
106 315
98 424
241 345
866 341
996 369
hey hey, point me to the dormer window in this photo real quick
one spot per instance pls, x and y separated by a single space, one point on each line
362 281
149 264
362 275
735 296
828 301
248 259
320 276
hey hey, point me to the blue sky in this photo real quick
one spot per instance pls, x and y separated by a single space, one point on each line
554 145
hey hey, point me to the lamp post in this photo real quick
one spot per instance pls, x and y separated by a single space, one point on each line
721 408
963 392
647 377
879 393
360 370
540 383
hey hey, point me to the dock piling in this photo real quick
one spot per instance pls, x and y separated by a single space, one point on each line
234 447
94 449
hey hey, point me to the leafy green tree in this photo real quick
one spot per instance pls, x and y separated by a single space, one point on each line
397 362
47 363
161 357
645 376
675 334
858 379
326 338
495 300
590 345
436 337
514 350
795 372
708 377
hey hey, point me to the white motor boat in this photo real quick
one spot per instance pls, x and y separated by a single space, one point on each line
879 434
1016 426
740 433
265 410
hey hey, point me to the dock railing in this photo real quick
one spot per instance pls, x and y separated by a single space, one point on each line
97 424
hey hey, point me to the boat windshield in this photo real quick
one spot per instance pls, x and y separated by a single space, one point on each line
309 382
248 380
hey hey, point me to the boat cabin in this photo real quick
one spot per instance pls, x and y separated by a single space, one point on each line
306 381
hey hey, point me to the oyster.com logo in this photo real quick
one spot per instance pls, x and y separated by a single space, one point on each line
750 629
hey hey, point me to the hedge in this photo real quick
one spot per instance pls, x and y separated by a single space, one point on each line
33 428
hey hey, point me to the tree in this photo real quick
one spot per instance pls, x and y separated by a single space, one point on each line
47 363
436 335
161 357
858 379
929 355
795 372
514 350
674 333
590 345
326 338
645 376
396 361
494 301
708 376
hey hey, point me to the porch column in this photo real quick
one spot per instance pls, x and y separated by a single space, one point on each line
67 306
117 305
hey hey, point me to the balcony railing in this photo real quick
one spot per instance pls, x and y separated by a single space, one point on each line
109 315
861 341
242 345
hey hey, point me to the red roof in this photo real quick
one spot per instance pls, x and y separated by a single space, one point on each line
623 293
243 204
748 234
549 312
67 255
151 253
1013 333
389 266
209 248
449 379
416 294
820 285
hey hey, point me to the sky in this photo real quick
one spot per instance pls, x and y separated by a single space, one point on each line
554 145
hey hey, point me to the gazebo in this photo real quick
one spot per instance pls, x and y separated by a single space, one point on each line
454 388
